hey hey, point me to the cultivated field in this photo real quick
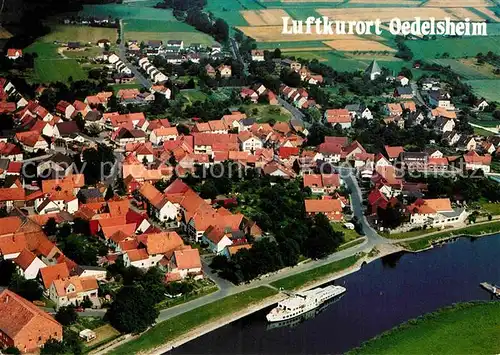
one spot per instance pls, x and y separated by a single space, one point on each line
273 34
386 2
83 34
351 45
488 12
308 55
385 14
466 71
290 51
489 89
307 1
137 25
459 3
272 17
455 47
463 13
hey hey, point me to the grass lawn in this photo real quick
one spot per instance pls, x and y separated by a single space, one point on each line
483 132
351 244
349 234
474 230
88 52
410 234
491 208
187 37
202 288
291 45
468 328
104 334
176 326
43 50
52 70
306 277
194 95
266 113
83 34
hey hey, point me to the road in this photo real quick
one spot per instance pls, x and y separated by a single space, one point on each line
417 96
235 49
296 113
226 288
122 51
357 206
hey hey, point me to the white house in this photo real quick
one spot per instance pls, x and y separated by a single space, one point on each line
186 262
73 290
160 135
28 264
249 142
441 99
436 213
257 55
216 239
113 58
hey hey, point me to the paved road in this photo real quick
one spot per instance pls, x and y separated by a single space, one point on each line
296 113
417 95
235 49
226 288
357 206
122 50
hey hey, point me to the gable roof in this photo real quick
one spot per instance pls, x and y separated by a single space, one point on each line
53 272
16 314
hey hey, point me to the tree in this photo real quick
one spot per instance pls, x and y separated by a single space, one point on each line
277 53
50 228
119 187
29 289
12 350
7 271
322 239
84 250
132 311
110 193
208 190
66 315
53 347
63 232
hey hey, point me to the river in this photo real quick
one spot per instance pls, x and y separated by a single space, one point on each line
380 296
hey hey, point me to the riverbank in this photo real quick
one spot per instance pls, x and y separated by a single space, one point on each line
476 230
465 328
182 328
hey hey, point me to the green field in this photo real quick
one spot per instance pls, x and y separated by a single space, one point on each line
143 10
83 34
455 47
52 70
187 37
194 95
474 230
318 55
485 119
299 280
489 89
43 50
137 25
469 328
176 326
298 44
465 71
267 113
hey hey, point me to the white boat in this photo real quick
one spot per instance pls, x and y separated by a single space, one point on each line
302 302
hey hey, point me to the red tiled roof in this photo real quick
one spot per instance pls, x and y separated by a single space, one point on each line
187 259
53 272
393 152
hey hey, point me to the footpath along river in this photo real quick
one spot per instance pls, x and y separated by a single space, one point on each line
380 296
